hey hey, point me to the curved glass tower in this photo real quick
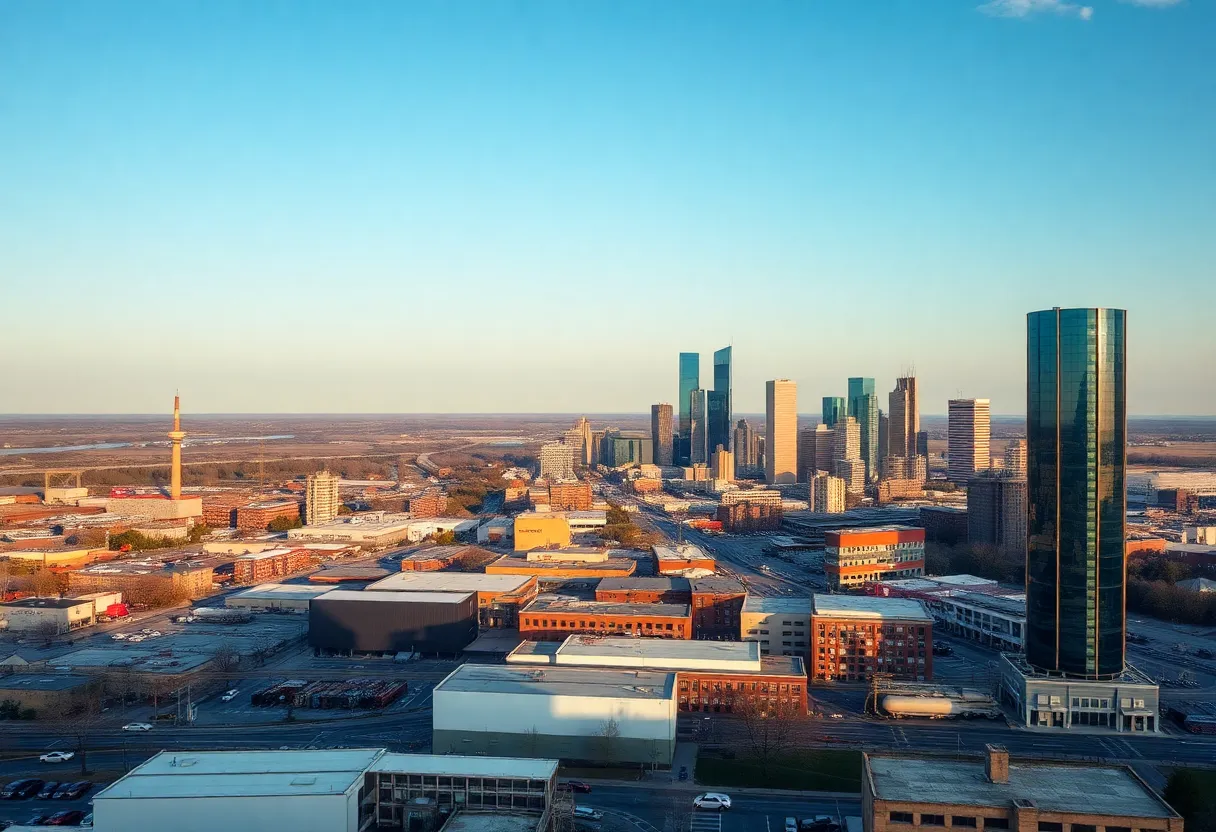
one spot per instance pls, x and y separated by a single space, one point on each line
1076 426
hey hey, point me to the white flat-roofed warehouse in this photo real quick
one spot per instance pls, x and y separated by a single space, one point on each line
206 791
347 621
374 529
276 597
635 654
571 713
344 790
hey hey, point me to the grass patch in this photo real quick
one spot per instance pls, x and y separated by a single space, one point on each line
807 770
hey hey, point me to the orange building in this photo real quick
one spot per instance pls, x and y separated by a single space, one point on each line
260 567
678 558
428 504
258 515
780 680
717 602
551 617
1142 546
853 556
646 486
570 496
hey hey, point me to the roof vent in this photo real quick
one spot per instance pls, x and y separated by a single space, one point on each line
304 780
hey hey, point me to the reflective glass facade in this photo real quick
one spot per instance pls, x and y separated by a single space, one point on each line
698 450
834 409
1076 423
863 406
720 402
690 380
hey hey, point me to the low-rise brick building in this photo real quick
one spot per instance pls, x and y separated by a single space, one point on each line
750 517
430 503
144 581
910 793
854 637
570 496
677 559
552 617
258 515
717 607
264 567
660 590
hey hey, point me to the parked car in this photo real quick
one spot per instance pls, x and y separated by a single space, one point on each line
943 650
21 789
36 820
74 791
1203 653
683 772
791 825
587 813
711 802
137 726
70 817
57 756
576 786
819 823
87 820
48 789
229 695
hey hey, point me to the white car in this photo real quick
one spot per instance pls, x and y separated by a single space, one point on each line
137 726
587 813
57 756
791 825
229 695
712 802
118 636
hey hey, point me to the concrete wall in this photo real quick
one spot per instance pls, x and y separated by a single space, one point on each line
551 746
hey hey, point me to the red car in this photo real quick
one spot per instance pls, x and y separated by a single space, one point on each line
72 817
576 786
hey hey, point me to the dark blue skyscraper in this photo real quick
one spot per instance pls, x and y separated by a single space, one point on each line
720 402
1076 427
690 380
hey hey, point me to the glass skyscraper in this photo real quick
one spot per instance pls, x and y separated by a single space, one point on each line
697 449
690 380
835 408
720 402
1076 425
863 406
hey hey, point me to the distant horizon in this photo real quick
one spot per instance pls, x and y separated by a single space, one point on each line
575 414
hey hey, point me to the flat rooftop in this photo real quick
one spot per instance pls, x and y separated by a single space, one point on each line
658 653
660 584
1054 787
458 765
869 607
718 584
138 567
491 821
395 597
567 604
244 774
1011 605
450 582
874 530
612 564
800 605
280 592
41 681
46 603
559 681
686 551
357 522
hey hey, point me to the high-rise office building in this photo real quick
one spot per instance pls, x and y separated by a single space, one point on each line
967 437
699 439
853 472
863 406
321 501
579 438
825 494
719 401
825 448
628 448
904 419
690 380
806 453
660 434
1015 457
747 451
922 443
883 430
846 437
996 510
1076 425
781 431
597 446
556 461
833 408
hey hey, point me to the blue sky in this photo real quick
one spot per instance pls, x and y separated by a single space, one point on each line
534 206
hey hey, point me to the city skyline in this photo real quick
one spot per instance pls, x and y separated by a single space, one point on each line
345 170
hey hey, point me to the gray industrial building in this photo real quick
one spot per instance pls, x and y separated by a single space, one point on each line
349 621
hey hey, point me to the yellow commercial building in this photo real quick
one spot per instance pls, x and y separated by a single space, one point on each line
541 531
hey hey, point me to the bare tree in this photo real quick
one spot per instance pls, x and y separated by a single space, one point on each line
770 726
225 658
608 733
45 631
78 722
532 741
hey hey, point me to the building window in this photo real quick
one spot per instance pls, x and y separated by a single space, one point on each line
962 820
1050 826
932 820
1084 827
1118 829
901 817
996 823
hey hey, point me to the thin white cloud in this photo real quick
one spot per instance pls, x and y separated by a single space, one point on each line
1153 4
1028 8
